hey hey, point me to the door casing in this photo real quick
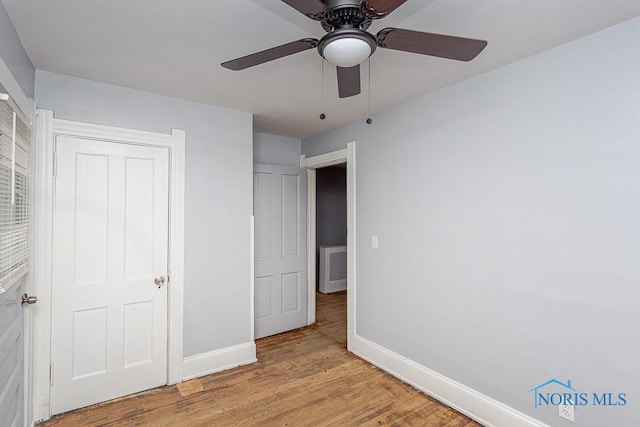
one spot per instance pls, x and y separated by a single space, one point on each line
39 346
348 156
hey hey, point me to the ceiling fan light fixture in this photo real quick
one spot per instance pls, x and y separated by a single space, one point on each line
347 48
347 52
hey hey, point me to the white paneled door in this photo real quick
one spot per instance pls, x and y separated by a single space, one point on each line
109 308
279 205
11 356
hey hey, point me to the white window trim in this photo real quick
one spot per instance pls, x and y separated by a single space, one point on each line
39 349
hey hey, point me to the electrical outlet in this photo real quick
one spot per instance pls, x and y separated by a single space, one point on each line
374 242
567 412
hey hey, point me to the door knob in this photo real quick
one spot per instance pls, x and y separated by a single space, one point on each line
26 299
159 281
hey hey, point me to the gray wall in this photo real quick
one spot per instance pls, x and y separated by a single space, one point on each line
218 199
331 210
276 150
14 55
331 206
508 217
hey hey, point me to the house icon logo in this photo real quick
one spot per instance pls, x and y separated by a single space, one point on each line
541 398
556 393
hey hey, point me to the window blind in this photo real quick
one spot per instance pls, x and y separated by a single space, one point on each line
15 145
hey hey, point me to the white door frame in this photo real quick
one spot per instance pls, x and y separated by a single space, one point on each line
348 156
44 163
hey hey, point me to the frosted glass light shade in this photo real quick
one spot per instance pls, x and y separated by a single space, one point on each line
346 51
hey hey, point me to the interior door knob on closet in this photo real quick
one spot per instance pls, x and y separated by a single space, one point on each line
159 281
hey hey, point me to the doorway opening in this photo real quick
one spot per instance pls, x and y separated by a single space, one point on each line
344 159
331 251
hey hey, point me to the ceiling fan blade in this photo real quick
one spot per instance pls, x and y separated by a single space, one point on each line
451 47
377 9
270 54
314 9
348 81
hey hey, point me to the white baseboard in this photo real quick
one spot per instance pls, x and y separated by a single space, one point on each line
218 360
485 410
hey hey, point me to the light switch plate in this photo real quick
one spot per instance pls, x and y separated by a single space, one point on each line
374 242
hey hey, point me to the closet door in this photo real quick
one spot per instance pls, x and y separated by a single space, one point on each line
279 205
110 245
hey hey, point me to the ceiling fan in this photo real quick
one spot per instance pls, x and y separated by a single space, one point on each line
347 42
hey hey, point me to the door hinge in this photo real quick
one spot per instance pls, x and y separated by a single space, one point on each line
51 374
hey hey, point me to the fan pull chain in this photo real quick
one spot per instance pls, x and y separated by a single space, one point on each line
369 120
322 115
369 89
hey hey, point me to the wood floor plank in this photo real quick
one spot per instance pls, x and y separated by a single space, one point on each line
304 377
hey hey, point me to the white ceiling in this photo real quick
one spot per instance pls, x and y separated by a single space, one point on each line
176 47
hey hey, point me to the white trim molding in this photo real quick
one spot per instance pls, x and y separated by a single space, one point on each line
219 360
485 410
176 257
38 351
252 279
110 133
328 159
46 130
351 244
311 246
348 156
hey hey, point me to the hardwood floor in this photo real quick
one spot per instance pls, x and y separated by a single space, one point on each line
304 377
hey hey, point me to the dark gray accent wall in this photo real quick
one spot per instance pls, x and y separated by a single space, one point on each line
508 218
331 208
13 54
